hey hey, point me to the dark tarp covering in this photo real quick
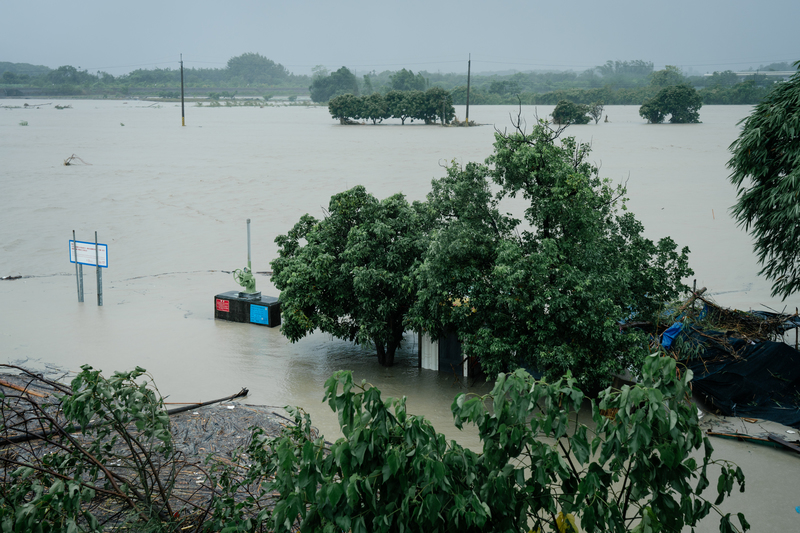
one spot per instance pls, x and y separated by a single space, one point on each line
743 379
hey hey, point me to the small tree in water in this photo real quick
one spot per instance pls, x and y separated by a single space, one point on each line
350 274
678 102
551 296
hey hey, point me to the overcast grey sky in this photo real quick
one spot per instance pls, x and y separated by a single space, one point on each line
432 35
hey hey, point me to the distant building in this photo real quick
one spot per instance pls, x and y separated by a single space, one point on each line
775 75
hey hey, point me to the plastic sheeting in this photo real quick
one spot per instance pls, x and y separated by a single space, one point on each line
754 380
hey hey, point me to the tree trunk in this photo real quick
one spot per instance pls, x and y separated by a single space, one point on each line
381 354
386 353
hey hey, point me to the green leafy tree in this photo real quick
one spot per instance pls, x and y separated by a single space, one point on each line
346 106
405 80
375 108
255 68
438 104
323 88
476 96
69 75
652 111
403 104
350 274
680 102
368 89
504 87
766 171
540 469
671 75
319 71
726 78
569 113
553 296
108 446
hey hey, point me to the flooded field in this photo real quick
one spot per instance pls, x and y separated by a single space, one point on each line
171 203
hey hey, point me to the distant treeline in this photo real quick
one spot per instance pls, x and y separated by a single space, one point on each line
250 74
747 92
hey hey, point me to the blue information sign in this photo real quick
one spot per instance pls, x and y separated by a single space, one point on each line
259 314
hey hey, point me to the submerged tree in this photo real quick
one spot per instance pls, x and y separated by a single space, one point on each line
678 102
350 274
596 111
568 113
766 171
554 295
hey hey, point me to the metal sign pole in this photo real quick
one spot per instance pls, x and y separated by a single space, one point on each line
99 271
78 271
248 246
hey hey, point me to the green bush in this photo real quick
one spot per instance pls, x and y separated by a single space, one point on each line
112 450
678 102
540 468
569 113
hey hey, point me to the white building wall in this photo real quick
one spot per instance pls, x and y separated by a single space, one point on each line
430 352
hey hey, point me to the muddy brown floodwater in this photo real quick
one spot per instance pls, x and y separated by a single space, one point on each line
171 202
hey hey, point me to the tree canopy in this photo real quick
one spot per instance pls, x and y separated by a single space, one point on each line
552 295
569 113
671 75
646 469
351 273
255 68
766 171
405 80
323 88
429 106
556 292
678 102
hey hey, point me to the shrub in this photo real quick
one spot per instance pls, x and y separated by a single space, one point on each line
539 466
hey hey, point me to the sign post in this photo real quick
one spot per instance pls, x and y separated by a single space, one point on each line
99 272
91 254
78 268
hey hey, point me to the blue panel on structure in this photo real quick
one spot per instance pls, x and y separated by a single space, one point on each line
259 314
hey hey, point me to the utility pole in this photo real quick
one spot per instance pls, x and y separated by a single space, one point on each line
183 116
469 66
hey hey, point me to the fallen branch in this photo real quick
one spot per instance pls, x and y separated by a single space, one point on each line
695 295
68 161
5 383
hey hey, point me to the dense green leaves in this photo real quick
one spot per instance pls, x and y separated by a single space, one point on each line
342 81
114 440
350 274
671 75
569 113
429 106
405 80
539 468
766 171
550 295
678 102
253 68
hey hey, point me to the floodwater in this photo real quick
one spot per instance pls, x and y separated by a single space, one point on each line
171 203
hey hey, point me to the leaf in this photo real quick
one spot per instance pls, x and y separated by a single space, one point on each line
566 523
335 492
